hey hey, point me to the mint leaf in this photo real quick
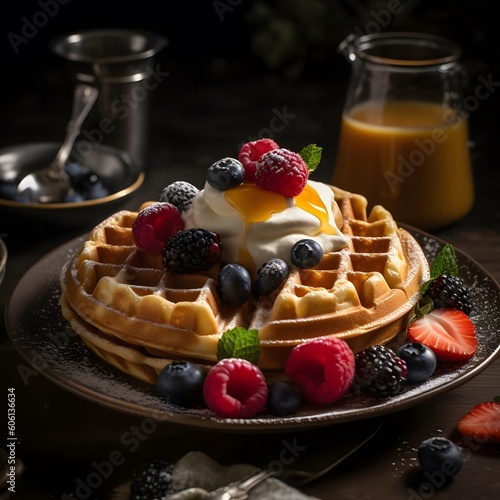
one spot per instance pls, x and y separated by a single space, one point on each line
239 343
311 154
445 262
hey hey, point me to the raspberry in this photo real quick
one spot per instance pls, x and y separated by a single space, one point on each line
192 251
235 388
250 154
282 171
323 368
180 194
155 225
449 291
379 371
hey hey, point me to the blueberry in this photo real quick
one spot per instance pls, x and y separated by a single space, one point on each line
181 383
283 398
73 198
270 276
96 190
225 174
306 254
438 454
76 172
8 191
420 361
234 284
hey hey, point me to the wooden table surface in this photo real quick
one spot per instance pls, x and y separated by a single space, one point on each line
62 438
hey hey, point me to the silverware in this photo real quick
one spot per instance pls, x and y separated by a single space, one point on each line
239 490
298 476
51 184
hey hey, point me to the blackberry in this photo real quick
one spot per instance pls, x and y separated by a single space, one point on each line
153 481
180 194
449 291
379 371
192 251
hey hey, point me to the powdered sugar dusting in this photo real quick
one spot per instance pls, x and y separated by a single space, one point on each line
39 331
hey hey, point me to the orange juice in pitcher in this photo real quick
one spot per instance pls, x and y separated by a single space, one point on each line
402 144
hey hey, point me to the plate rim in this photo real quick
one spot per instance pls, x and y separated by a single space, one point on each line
210 422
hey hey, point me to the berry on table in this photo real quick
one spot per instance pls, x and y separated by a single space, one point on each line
251 152
270 276
154 480
180 194
379 371
181 383
323 368
155 225
306 254
450 333
283 398
449 291
191 251
225 174
420 361
234 284
282 171
439 454
482 423
235 388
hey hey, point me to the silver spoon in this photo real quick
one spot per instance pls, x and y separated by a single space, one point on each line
51 184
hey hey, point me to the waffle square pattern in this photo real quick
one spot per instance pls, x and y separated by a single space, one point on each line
138 317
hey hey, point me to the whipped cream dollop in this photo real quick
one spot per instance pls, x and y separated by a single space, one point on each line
256 225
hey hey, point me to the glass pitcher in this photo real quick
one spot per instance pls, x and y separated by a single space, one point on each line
404 134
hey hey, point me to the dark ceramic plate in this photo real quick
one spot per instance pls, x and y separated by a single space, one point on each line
41 335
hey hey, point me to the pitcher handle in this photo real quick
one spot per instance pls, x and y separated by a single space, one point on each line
347 47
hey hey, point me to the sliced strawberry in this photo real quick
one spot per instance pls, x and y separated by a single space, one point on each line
450 333
482 423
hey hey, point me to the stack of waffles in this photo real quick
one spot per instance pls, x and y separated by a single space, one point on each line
139 317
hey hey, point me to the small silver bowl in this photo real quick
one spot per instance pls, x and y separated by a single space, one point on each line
115 169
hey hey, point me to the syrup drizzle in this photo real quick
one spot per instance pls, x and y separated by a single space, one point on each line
257 205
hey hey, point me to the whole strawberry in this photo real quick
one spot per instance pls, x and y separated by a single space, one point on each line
282 171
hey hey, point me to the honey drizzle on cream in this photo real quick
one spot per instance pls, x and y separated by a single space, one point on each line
257 205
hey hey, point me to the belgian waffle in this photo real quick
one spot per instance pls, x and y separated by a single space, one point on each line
138 317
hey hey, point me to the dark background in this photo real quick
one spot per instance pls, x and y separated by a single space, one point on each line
222 43
227 75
